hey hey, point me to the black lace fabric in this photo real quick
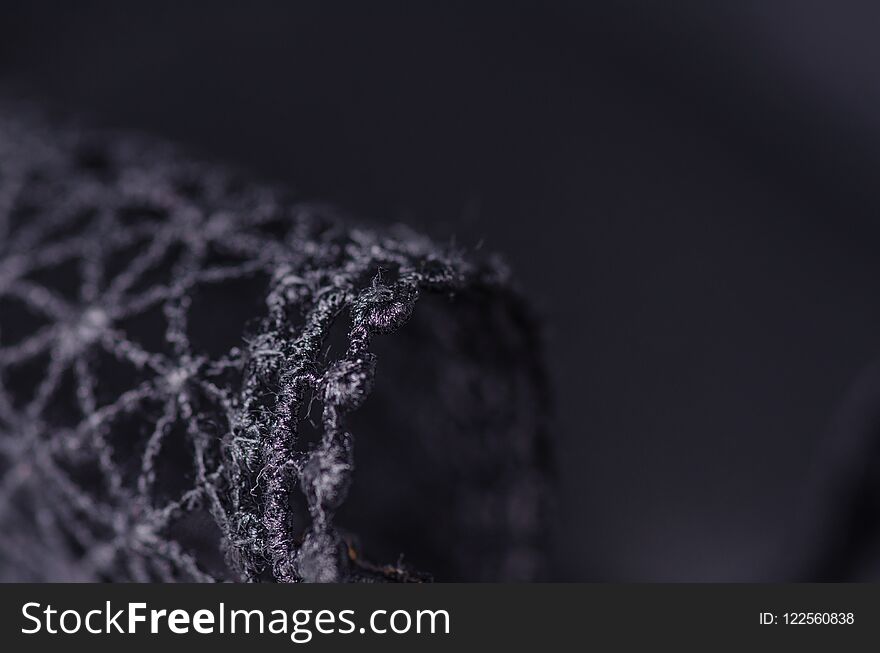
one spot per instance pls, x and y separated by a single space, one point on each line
206 379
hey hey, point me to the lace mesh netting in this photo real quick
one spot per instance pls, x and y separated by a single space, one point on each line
185 355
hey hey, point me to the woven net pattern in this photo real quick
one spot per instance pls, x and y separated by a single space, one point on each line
181 351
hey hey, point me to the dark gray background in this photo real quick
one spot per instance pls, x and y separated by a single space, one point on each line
480 615
687 192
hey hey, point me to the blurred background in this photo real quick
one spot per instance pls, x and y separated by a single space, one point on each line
687 193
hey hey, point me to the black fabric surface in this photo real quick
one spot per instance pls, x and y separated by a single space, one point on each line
687 193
